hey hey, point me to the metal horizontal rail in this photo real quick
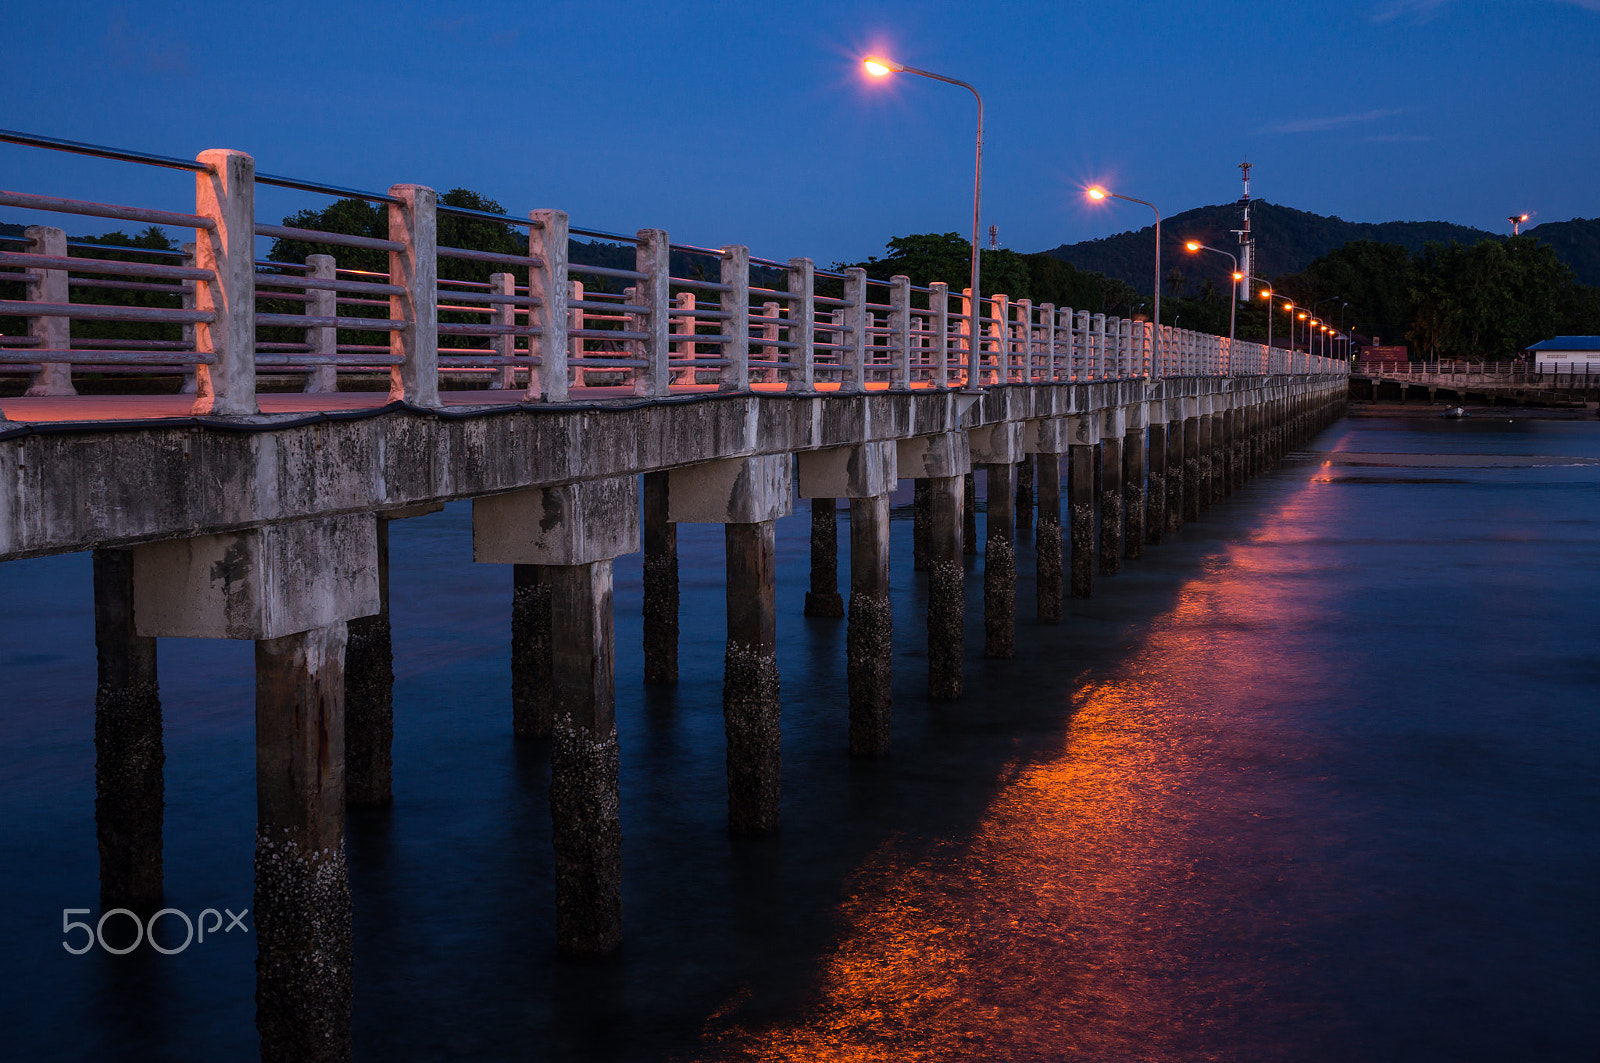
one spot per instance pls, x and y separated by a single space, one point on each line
109 266
605 334
365 324
100 312
313 236
56 356
632 308
12 136
329 284
495 257
327 359
105 210
134 286
607 271
491 330
709 286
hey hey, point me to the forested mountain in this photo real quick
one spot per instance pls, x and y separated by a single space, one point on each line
1289 240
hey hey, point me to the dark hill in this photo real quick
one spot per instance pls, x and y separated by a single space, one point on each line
1575 242
1287 241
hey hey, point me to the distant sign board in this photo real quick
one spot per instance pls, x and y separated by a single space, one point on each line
1385 354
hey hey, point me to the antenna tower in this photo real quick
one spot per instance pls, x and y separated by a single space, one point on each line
1247 240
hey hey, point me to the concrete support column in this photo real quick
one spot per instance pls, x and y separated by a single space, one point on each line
1219 452
823 598
921 514
130 794
1082 459
531 635
226 194
323 341
969 514
1025 482
1111 502
584 797
413 223
1177 470
870 639
369 696
1000 561
1192 501
302 895
750 686
660 583
947 598
1205 444
53 333
1048 572
1133 484
1155 521
941 462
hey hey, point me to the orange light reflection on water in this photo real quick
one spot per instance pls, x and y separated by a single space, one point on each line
1104 906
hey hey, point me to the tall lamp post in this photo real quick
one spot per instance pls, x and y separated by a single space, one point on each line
1097 194
878 66
1233 302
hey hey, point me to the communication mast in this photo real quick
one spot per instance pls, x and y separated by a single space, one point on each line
1247 240
994 237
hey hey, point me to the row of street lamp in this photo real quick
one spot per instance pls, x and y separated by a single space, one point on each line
878 66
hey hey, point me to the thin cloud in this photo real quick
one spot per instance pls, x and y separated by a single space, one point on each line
1424 10
1322 125
1397 138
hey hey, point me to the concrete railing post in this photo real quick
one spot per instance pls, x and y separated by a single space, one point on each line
998 329
683 330
803 324
900 332
323 341
53 333
413 222
577 366
772 323
654 258
504 315
852 360
226 194
939 342
547 282
735 375
968 331
188 302
1025 339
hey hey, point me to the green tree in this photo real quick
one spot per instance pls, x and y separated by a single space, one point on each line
1489 300
1375 278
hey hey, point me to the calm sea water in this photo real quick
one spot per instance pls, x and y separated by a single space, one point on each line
1316 781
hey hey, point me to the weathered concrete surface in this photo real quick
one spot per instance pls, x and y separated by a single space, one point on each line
920 516
1155 510
863 471
302 883
79 486
259 583
130 791
567 524
1133 488
1025 493
1111 511
1082 459
969 514
532 692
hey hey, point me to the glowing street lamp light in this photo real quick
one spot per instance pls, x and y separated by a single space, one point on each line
1516 221
878 66
1097 193
1233 301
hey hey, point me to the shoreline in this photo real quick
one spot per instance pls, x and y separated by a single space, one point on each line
1357 408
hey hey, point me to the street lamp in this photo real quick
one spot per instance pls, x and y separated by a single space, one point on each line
878 66
1516 221
1097 193
1233 301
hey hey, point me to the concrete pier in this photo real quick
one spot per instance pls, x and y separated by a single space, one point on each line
1025 478
823 598
585 806
1191 465
750 687
302 895
660 583
1111 500
1047 541
747 495
1177 474
920 517
969 515
369 696
1205 444
1133 483
1219 451
531 633
1082 459
943 461
999 562
869 642
999 448
1155 520
130 794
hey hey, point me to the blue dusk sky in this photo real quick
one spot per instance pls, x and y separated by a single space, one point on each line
753 123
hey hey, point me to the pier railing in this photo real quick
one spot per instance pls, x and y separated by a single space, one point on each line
1549 374
543 322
